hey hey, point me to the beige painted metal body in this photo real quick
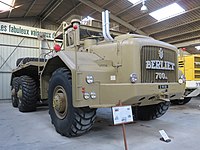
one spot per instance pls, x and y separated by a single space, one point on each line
111 64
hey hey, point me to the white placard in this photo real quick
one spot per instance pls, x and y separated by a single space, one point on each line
122 114
20 30
164 135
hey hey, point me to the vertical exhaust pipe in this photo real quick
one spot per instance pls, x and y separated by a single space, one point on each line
106 26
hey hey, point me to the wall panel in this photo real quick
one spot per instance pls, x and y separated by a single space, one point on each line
29 47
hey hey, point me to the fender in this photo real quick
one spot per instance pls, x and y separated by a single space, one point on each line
61 60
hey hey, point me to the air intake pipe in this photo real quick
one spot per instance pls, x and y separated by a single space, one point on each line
106 26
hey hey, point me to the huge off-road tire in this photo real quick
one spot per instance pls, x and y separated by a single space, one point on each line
14 90
28 94
181 101
151 112
68 120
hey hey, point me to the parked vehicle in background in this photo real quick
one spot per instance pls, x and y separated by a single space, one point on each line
189 65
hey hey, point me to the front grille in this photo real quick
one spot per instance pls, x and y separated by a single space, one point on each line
149 53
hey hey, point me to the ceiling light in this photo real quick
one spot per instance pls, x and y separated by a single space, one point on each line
6 5
197 47
167 12
134 1
144 8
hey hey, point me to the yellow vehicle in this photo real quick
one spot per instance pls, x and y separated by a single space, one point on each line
190 67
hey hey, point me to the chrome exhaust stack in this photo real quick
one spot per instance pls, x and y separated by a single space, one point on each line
106 26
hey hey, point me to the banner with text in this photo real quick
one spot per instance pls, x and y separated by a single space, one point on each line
20 30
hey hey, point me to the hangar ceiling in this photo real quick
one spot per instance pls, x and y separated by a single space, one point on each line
178 29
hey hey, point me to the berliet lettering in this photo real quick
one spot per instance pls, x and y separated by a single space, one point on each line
159 64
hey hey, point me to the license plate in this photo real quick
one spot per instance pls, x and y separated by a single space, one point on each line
162 86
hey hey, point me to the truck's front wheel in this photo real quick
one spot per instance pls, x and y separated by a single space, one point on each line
68 120
152 111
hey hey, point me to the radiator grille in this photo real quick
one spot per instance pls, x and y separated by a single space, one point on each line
149 53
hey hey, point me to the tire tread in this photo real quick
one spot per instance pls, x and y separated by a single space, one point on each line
82 119
152 111
30 94
15 85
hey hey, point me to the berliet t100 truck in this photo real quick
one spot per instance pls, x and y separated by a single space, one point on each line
90 72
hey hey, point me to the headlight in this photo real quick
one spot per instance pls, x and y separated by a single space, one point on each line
133 77
86 96
93 95
182 79
89 79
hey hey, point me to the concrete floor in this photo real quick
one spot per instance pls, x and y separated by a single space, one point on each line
34 131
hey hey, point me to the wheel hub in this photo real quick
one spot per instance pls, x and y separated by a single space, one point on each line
19 94
13 92
60 102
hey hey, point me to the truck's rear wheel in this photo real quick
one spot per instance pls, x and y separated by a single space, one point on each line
68 120
14 90
28 94
152 111
182 101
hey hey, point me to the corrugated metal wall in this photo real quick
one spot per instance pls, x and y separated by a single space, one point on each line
29 47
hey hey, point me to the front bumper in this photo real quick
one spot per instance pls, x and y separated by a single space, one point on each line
141 93
109 95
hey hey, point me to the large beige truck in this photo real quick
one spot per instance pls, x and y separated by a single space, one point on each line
94 70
